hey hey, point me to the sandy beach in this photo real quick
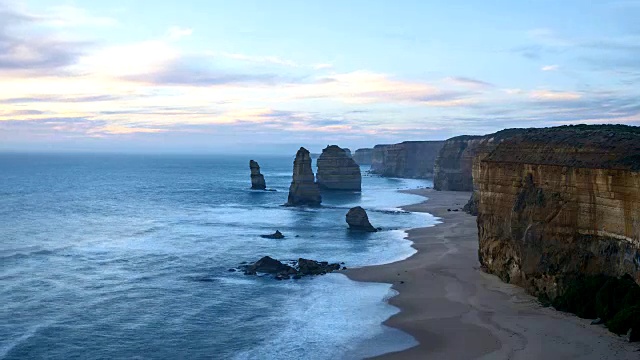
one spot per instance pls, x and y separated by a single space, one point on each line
456 311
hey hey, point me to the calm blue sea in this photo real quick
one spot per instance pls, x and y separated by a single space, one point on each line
114 256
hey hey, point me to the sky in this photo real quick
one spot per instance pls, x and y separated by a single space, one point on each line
251 76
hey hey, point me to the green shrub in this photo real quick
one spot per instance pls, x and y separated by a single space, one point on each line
616 295
624 320
579 296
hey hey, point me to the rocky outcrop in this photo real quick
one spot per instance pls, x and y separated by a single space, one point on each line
303 190
410 159
275 235
559 203
295 269
257 179
358 219
338 171
347 151
363 156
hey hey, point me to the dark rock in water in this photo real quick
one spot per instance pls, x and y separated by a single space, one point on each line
231 270
302 267
303 190
275 235
358 220
597 321
257 179
270 266
312 267
296 277
338 171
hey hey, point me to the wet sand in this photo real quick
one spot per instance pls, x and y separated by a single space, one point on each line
456 311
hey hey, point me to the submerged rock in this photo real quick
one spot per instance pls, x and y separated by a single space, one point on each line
358 220
257 179
338 171
303 190
275 235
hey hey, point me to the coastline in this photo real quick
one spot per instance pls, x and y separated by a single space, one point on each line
456 311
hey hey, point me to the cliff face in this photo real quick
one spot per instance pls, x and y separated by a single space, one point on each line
453 167
557 203
363 156
303 190
410 159
337 170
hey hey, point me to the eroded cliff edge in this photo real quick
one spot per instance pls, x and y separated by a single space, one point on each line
558 203
409 159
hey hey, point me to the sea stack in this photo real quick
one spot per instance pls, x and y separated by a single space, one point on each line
358 220
338 171
257 179
303 190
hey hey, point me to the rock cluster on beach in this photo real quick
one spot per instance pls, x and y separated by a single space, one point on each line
303 190
257 179
295 269
338 171
358 219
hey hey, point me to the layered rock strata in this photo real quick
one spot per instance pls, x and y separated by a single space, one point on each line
559 203
257 179
363 156
409 159
338 171
303 190
453 168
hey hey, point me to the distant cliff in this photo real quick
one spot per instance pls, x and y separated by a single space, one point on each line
363 156
410 159
558 203
454 165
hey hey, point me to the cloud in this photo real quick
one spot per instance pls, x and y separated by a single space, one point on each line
273 60
549 95
177 32
550 68
28 52
196 71
469 82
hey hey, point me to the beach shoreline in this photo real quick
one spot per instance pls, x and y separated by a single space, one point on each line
456 311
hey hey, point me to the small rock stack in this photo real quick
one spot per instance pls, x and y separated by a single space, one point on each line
257 179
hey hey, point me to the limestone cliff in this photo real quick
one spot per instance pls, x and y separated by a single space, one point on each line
561 202
337 170
410 159
257 179
363 156
453 167
303 190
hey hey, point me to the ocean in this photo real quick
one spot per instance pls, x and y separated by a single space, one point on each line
127 256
